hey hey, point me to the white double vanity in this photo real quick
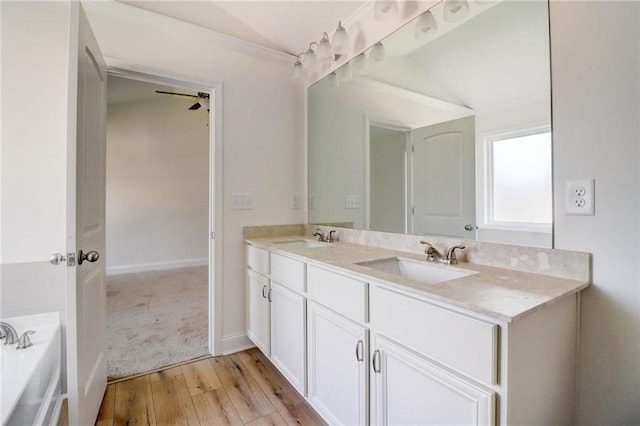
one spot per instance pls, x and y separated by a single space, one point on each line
367 344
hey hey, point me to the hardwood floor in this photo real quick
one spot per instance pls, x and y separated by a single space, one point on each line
239 389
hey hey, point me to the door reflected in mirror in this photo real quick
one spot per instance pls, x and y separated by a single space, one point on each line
449 135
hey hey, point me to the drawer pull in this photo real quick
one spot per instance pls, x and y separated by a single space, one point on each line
269 296
376 361
360 351
264 296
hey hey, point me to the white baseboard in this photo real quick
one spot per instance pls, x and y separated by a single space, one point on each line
160 266
235 343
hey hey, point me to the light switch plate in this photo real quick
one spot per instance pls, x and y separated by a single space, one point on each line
352 202
242 201
295 202
581 197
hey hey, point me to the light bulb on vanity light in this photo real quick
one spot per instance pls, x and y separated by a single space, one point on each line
426 26
340 41
309 60
298 68
325 52
378 53
455 10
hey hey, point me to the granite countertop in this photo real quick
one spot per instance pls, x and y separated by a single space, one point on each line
504 294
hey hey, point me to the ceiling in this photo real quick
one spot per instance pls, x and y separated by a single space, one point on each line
287 26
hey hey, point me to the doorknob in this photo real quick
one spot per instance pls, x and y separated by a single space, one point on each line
91 256
57 258
469 227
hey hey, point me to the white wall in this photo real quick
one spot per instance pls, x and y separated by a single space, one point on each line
157 185
262 125
595 74
33 155
33 149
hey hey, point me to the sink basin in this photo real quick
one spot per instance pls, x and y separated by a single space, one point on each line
424 272
300 244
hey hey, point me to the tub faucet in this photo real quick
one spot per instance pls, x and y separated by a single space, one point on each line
8 333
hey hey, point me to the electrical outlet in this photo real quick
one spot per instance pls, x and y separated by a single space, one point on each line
241 201
295 202
312 202
581 197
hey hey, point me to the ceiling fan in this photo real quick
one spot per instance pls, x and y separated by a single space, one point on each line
201 96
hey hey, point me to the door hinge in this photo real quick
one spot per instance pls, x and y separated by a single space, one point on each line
413 149
213 235
413 210
71 259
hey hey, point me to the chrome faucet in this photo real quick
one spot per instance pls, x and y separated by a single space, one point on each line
8 333
324 238
433 255
320 235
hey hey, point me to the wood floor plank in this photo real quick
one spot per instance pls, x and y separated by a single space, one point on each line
108 407
248 399
215 408
302 414
63 417
200 377
133 402
172 401
281 394
273 419
166 374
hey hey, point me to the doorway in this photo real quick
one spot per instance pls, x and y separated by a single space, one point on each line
161 202
387 164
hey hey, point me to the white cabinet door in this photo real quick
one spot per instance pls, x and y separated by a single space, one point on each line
338 361
288 313
258 291
409 390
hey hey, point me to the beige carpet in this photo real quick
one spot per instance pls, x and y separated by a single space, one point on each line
155 319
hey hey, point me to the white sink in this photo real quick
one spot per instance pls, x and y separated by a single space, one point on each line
300 244
424 272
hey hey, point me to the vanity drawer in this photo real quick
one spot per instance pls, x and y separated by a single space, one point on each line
258 259
340 292
288 272
463 343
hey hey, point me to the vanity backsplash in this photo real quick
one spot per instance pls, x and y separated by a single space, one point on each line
556 263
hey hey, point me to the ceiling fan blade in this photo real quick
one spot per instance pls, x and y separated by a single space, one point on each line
195 106
177 94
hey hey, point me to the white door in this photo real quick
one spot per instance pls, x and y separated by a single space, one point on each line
288 334
87 322
409 390
258 331
338 367
444 179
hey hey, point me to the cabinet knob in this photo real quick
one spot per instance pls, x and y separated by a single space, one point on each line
264 295
269 296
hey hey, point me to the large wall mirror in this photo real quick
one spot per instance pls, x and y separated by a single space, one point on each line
443 128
